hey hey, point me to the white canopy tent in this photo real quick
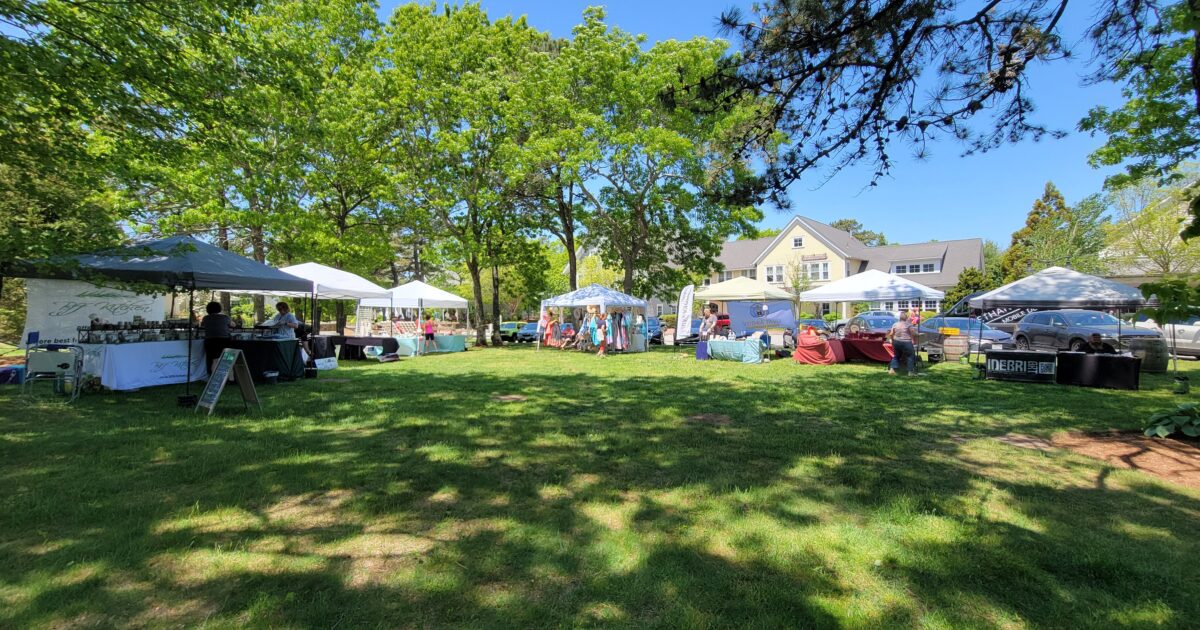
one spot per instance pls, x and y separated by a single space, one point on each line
1059 287
418 295
334 284
595 295
741 289
871 285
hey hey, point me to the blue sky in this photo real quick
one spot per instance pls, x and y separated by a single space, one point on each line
943 197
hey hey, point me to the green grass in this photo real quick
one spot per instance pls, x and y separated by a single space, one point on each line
408 497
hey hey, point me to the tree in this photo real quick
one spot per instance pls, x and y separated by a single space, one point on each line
993 258
856 229
760 233
847 79
1178 300
970 280
653 182
798 281
1055 234
1145 234
1157 129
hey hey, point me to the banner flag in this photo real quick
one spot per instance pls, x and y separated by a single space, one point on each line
746 316
683 320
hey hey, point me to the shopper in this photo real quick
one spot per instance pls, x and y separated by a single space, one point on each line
216 333
430 335
901 336
600 338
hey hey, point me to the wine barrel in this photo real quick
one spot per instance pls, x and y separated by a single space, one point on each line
955 347
1154 353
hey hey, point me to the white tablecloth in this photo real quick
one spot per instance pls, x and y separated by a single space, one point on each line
126 366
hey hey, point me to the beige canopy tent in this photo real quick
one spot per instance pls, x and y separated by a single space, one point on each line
741 289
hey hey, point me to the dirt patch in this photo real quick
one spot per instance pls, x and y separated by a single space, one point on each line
711 419
1174 460
509 398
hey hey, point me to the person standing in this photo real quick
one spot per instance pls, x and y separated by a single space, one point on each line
284 323
901 336
430 335
708 324
216 333
600 338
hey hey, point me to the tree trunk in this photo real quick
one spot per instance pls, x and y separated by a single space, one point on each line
572 260
223 243
627 281
496 341
259 249
477 290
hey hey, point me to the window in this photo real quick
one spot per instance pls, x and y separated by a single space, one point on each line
706 282
774 273
825 271
658 310
814 271
752 274
888 306
725 275
901 305
797 242
927 268
901 268
826 308
931 305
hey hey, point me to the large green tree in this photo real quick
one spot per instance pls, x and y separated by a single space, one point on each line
1144 236
856 229
1057 234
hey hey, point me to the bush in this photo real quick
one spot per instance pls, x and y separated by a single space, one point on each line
806 316
830 318
668 320
927 315
1185 418
859 307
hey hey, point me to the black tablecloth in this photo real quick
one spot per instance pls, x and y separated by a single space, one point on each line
267 355
352 347
1029 366
1099 370
321 347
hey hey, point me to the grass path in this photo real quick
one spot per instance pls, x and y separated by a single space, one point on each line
508 488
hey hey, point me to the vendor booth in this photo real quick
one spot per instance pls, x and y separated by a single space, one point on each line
413 295
1062 288
752 305
869 286
741 289
149 352
625 332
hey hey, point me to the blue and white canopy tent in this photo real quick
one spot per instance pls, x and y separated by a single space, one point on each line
592 295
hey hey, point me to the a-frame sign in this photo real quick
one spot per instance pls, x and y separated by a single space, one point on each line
231 360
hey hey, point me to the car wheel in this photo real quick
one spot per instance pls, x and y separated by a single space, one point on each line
1022 343
1077 345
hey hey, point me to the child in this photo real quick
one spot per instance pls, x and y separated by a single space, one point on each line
601 336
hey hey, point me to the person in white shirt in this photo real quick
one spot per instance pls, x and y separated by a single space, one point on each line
284 322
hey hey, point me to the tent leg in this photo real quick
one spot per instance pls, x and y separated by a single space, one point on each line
188 399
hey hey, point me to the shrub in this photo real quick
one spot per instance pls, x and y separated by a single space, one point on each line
927 315
668 319
806 316
859 307
830 318
1185 418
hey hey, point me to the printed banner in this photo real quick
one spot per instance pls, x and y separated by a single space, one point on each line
683 319
55 309
744 316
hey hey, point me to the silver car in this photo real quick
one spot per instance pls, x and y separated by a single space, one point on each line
1070 330
1184 334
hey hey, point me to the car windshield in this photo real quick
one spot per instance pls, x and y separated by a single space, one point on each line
530 326
880 322
1091 318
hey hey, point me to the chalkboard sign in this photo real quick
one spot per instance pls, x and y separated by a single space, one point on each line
231 360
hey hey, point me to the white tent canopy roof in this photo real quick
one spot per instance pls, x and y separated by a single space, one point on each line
416 294
1059 287
595 295
871 285
335 284
741 288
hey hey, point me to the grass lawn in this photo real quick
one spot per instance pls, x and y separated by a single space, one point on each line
411 495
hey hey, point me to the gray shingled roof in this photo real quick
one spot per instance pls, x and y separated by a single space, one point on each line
955 256
840 239
742 254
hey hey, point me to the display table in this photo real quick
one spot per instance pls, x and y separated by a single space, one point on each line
126 366
352 347
1099 370
271 355
1020 365
862 349
812 350
744 350
445 343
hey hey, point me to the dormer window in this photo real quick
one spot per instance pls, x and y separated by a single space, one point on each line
797 242
918 267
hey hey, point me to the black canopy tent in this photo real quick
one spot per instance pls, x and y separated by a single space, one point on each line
178 261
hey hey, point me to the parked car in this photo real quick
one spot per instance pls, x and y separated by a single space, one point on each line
819 325
1070 330
654 331
840 325
528 333
980 336
508 330
869 324
1184 334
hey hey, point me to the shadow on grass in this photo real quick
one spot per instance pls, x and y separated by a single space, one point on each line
408 498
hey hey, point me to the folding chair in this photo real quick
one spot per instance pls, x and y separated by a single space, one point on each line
61 365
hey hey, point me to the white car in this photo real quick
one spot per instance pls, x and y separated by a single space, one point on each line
1186 334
